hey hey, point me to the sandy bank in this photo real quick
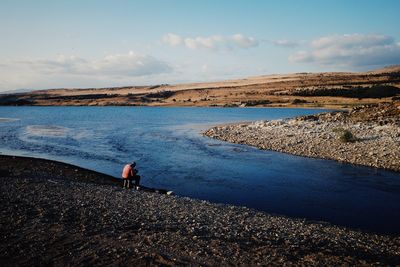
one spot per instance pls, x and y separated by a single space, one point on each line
59 214
375 130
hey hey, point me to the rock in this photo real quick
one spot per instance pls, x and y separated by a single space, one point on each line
315 135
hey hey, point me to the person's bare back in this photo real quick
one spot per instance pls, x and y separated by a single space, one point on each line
129 173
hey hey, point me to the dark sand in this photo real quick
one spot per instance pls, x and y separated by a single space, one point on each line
57 214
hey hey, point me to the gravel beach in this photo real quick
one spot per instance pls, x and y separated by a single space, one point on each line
58 214
375 131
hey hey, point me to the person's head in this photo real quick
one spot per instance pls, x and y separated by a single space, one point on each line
133 164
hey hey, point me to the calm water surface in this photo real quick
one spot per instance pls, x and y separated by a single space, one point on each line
172 154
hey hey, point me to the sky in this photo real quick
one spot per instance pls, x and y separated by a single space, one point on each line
87 43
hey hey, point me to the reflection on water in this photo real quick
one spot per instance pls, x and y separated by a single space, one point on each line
172 154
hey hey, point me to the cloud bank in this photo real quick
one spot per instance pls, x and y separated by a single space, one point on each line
69 71
286 43
355 50
215 42
130 64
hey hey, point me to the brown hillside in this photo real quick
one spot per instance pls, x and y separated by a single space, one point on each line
329 89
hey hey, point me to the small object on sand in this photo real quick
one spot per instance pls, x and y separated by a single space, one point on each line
170 192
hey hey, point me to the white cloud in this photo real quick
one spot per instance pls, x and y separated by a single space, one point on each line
215 42
172 39
66 71
286 43
243 41
130 64
357 50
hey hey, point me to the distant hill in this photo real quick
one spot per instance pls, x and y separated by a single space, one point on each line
393 68
16 91
328 89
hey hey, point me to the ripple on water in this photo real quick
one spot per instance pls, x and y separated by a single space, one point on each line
47 130
57 131
8 119
181 159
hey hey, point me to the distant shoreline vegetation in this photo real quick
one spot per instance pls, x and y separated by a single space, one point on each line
332 89
375 91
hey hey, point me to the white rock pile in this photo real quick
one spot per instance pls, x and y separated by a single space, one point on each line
318 136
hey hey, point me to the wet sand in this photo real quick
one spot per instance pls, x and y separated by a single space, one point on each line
58 214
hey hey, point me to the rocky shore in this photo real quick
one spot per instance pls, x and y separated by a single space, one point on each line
367 135
58 214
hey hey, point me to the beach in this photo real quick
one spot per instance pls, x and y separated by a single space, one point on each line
374 135
59 214
262 133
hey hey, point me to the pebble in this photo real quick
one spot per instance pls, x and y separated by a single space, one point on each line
318 136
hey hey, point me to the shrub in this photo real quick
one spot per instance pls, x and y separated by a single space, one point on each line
298 101
374 91
251 103
346 136
160 94
230 105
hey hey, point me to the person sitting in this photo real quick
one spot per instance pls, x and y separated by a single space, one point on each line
129 173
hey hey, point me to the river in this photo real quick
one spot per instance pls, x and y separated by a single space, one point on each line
171 153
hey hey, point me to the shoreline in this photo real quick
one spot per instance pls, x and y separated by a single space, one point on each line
55 207
328 107
374 139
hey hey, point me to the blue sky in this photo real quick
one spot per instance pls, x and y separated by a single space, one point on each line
47 44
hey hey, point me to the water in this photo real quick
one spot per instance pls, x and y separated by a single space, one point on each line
172 154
